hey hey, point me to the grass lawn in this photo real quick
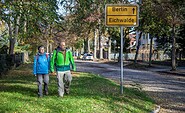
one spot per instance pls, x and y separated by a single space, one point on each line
89 94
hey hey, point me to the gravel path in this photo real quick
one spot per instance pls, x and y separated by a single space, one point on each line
167 90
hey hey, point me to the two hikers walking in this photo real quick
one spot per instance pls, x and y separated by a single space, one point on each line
61 61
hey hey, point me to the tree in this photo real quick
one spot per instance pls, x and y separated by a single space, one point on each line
24 18
88 15
181 41
153 25
172 12
157 17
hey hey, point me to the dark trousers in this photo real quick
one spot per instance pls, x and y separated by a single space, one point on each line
40 79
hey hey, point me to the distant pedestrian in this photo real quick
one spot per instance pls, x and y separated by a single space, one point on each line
62 60
41 70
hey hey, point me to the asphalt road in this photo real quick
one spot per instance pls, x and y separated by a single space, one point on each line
167 90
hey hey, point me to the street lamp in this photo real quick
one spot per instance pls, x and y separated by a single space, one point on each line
114 42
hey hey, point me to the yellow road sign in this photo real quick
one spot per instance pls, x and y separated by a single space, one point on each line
122 15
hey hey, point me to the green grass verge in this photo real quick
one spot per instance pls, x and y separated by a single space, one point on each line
89 94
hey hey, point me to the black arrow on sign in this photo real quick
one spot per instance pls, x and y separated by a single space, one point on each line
133 10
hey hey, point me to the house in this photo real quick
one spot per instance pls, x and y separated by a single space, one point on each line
132 46
144 49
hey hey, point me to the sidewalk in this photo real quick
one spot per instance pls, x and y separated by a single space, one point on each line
144 66
167 70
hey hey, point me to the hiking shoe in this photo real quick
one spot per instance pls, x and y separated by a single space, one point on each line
66 91
61 96
40 96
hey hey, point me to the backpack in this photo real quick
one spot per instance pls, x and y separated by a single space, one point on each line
38 56
57 53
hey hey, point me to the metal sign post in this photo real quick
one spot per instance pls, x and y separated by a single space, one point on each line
121 78
122 15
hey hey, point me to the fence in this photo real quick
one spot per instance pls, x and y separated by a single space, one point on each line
142 56
8 62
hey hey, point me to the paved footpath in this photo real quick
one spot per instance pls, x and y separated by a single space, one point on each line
167 90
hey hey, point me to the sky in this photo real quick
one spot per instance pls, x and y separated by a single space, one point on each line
63 12
61 9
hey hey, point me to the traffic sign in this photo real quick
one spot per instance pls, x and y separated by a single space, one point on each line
126 15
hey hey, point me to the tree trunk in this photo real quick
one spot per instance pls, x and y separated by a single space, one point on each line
77 53
151 46
85 46
173 49
17 26
11 38
180 56
25 24
47 45
101 52
119 57
147 46
137 49
95 41
50 48
109 49
88 45
100 46
11 47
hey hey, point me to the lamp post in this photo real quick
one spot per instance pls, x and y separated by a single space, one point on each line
114 42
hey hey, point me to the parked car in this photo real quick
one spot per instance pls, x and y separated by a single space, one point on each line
87 56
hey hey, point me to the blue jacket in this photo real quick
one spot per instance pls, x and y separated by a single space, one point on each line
41 64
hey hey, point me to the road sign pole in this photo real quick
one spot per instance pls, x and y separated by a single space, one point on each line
121 78
122 15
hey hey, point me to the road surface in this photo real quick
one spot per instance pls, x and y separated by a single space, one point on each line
167 90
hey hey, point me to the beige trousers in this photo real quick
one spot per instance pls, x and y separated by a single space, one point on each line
64 80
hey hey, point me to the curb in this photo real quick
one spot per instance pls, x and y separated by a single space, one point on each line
156 110
172 73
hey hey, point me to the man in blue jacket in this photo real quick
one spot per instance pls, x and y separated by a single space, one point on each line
41 70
